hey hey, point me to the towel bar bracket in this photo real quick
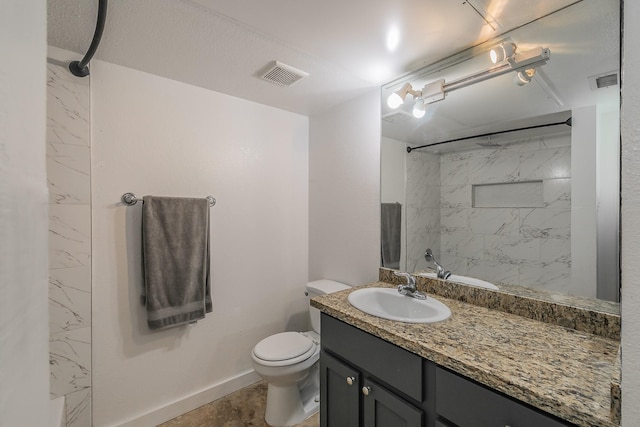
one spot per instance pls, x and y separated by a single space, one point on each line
131 199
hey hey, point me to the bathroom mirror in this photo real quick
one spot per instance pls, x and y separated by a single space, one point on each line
536 208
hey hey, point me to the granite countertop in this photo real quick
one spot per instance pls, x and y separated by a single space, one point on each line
562 371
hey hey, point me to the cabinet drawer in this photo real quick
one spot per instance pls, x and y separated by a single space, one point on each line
468 404
395 366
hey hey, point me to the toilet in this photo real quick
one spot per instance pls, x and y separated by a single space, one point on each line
288 362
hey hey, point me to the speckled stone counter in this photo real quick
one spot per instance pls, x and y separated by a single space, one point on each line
583 314
562 371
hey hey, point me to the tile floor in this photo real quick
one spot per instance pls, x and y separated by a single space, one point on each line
242 408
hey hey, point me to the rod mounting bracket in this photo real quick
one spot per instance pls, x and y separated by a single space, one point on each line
74 67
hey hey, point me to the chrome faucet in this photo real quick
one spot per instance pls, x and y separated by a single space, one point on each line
409 289
440 271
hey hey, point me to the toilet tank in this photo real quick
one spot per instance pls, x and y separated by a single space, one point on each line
321 287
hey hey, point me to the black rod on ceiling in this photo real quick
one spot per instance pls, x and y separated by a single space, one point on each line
80 68
566 122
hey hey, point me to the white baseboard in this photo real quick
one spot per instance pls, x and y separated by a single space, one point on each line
189 403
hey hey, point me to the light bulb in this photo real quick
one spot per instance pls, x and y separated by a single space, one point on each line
502 52
496 55
523 77
394 100
419 109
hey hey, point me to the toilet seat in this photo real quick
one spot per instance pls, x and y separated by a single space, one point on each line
285 348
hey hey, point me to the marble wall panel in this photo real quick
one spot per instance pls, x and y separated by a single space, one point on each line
455 196
551 276
549 163
512 250
69 179
451 242
470 246
69 236
423 196
528 246
423 168
545 223
454 220
494 166
78 408
454 173
556 193
67 107
555 250
493 271
69 299
424 219
423 208
502 222
68 173
70 360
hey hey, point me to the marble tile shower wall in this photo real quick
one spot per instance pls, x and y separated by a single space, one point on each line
422 207
522 246
69 179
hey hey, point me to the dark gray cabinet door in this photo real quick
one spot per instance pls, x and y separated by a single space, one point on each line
339 393
467 404
384 409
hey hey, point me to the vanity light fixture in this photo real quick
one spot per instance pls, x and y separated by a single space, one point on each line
523 77
502 52
522 63
396 99
431 92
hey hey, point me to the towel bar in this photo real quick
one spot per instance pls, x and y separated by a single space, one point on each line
131 199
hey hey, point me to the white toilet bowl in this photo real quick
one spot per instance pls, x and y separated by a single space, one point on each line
288 362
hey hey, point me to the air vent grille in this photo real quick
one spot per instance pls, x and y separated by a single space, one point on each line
609 80
283 74
600 81
397 116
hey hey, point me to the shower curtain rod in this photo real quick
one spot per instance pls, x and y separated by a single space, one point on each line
566 122
79 68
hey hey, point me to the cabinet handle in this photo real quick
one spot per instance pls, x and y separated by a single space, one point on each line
351 380
366 390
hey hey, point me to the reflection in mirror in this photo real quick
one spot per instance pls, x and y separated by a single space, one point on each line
536 208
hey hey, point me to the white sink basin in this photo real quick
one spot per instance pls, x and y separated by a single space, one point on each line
389 304
464 280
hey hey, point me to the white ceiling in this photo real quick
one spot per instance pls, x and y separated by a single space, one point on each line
223 45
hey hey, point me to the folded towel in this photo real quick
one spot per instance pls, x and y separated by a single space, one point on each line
175 248
391 225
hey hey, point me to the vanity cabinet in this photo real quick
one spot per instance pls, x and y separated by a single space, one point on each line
366 381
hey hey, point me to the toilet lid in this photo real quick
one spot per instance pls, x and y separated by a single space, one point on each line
282 346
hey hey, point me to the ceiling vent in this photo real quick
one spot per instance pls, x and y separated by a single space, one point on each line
397 117
283 74
600 81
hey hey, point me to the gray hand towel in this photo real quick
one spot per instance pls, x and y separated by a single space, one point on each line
391 225
175 247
